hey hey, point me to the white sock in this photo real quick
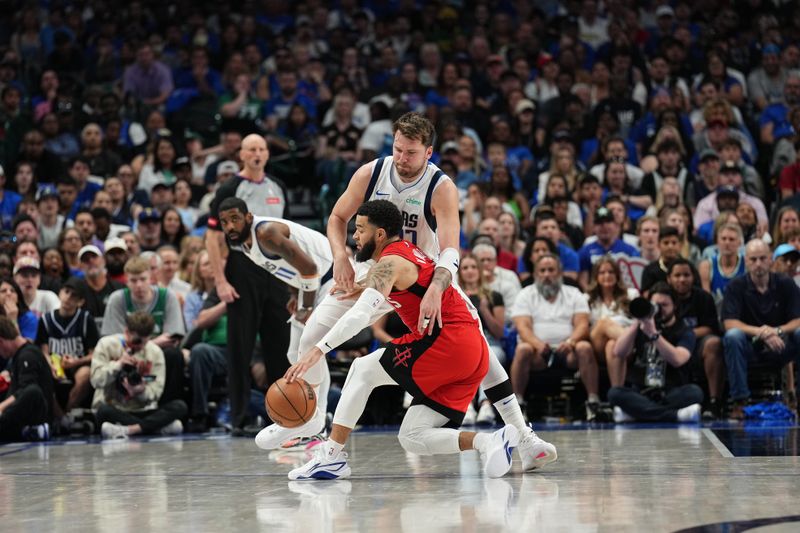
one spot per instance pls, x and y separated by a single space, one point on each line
481 441
594 398
511 413
333 449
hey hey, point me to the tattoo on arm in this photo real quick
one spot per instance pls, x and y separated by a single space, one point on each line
442 277
381 277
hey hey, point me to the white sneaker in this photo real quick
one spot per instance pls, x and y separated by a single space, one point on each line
173 428
470 417
535 452
321 466
497 457
690 413
620 416
37 433
273 436
113 431
486 414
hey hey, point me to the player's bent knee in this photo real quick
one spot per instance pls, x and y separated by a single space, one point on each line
411 442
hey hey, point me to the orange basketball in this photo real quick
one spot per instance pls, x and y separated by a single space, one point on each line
290 404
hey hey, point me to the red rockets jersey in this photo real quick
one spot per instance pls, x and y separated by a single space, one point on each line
456 307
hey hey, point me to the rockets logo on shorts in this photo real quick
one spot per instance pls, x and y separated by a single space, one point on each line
402 357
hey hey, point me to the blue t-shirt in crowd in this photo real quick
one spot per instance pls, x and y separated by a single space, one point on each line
28 324
595 249
85 198
8 208
569 258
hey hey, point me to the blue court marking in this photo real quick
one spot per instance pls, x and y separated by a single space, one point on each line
16 450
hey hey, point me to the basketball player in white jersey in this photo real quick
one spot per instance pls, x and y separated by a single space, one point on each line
428 200
301 258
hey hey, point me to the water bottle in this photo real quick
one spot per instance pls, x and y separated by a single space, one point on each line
656 366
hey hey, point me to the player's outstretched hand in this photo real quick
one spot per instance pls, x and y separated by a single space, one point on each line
226 292
299 369
343 275
430 310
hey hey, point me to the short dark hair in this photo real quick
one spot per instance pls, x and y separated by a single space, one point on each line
140 323
233 202
84 210
668 231
100 212
8 328
677 262
526 254
662 287
668 145
382 214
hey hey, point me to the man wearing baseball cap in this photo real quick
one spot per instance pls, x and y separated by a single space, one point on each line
730 174
784 260
116 253
608 242
50 221
28 275
149 229
98 286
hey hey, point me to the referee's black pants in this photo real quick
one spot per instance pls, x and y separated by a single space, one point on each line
260 308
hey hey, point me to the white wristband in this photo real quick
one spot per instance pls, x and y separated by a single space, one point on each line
309 284
353 321
449 259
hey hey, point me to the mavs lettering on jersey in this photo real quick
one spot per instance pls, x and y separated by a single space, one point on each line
412 199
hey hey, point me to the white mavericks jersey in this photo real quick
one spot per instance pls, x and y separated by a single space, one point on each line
313 243
413 200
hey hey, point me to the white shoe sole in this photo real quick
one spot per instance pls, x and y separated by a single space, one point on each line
498 457
544 456
273 436
337 470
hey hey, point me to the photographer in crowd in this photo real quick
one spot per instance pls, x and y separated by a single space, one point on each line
659 345
128 374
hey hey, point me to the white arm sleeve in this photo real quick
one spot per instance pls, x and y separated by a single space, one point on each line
354 320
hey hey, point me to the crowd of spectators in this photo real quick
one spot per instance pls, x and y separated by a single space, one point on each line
602 150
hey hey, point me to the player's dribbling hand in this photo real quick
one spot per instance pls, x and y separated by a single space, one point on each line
430 311
226 292
299 369
343 275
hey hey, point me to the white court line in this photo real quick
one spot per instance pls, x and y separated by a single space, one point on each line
721 448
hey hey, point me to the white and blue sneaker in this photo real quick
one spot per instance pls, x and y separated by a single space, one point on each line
323 466
497 455
37 433
274 436
535 452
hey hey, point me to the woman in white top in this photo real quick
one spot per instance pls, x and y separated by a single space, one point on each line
160 168
608 304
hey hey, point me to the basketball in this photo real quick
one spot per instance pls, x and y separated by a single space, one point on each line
290 404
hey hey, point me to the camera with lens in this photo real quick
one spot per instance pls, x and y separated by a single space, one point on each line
132 374
642 308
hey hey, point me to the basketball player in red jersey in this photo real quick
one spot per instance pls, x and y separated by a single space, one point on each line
442 370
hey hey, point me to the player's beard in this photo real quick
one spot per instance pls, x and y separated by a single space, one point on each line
241 238
549 289
366 251
407 175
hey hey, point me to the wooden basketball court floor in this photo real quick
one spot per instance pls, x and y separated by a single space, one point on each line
615 479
